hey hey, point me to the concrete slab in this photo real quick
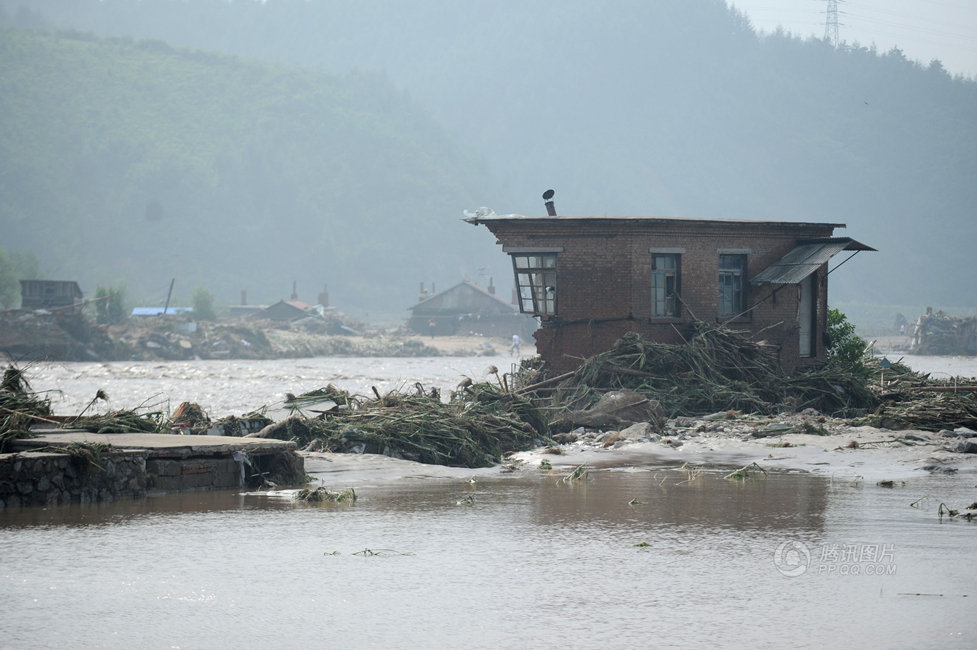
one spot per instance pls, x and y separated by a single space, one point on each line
155 444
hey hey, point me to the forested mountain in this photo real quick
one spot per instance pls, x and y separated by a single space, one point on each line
136 163
647 107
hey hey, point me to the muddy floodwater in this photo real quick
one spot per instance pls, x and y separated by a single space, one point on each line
631 555
628 557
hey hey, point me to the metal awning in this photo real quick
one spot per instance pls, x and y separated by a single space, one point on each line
806 258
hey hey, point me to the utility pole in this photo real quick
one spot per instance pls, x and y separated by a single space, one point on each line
831 23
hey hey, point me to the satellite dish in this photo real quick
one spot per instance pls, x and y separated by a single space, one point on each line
548 194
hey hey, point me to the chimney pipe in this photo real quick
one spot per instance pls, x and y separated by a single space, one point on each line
548 197
491 287
244 296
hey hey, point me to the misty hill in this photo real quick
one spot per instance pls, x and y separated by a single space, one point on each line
136 163
645 107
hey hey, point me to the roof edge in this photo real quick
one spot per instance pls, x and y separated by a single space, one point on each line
515 218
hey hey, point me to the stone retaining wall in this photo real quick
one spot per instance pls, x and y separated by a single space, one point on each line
45 478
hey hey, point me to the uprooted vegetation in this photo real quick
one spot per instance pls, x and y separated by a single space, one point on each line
473 429
20 407
718 369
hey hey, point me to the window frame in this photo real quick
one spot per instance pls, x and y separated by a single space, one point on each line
673 310
731 283
535 274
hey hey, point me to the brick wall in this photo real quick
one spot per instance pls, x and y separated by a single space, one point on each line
604 280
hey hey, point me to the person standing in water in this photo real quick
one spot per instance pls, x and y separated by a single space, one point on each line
514 349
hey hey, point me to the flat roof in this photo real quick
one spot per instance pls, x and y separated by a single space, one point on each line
489 218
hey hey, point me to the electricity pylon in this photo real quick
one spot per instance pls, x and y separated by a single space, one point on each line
831 23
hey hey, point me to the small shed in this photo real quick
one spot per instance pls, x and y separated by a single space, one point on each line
467 308
591 280
50 294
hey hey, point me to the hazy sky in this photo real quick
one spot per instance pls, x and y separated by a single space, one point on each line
923 29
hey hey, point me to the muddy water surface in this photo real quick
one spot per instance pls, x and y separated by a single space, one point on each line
628 557
236 387
631 556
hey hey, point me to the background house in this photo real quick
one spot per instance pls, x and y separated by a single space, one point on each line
286 310
590 280
49 294
467 308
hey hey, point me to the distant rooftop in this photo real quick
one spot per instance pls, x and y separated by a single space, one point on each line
156 311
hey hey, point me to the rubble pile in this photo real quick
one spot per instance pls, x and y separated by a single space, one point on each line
939 334
27 334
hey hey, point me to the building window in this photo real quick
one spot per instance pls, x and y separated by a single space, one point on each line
536 282
664 284
732 269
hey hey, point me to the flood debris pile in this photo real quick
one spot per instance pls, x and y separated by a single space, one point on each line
914 400
120 421
322 495
940 334
20 407
72 336
58 334
171 337
717 369
933 413
190 418
473 429
638 390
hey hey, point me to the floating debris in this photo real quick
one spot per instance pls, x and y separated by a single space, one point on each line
322 495
749 471
692 472
969 513
579 472
369 552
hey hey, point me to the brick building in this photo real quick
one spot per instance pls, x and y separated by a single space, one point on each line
590 280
